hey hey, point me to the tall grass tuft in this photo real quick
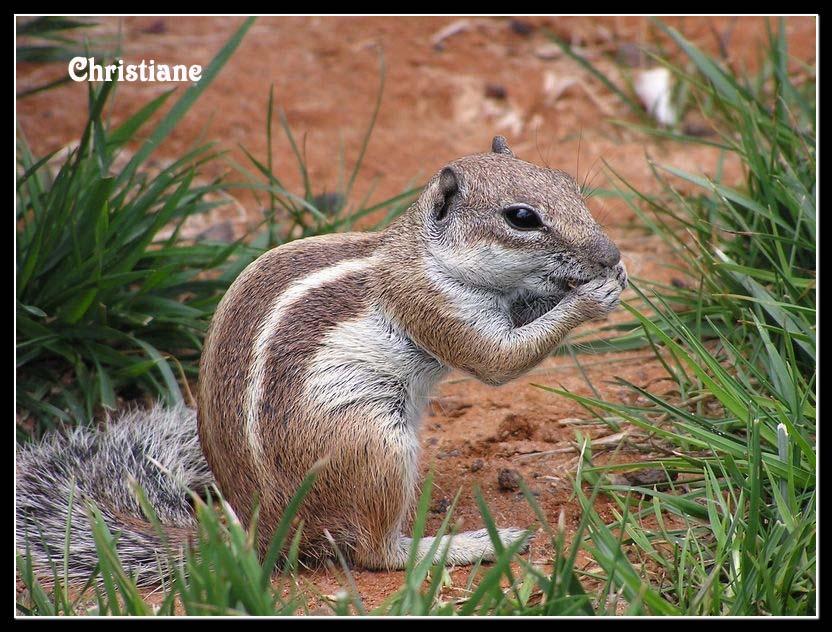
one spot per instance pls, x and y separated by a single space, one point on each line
104 302
51 38
737 338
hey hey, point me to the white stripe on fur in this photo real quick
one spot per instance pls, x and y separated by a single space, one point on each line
256 375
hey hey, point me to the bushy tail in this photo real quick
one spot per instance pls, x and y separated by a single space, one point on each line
156 449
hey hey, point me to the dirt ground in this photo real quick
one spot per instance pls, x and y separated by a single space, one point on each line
450 84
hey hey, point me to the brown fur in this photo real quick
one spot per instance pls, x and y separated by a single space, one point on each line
227 355
362 495
489 181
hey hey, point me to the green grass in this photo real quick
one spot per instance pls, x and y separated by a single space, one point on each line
222 574
734 534
47 39
737 339
105 306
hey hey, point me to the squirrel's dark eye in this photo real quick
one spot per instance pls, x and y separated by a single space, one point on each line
522 218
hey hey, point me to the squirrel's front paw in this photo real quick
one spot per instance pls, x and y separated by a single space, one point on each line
601 295
620 274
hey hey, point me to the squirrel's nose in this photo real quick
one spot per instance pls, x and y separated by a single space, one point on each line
604 251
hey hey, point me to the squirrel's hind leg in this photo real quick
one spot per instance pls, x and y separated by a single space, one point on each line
377 523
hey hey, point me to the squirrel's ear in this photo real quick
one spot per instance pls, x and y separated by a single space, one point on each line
448 187
500 146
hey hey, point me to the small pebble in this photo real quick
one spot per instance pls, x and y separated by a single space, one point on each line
155 28
440 506
645 477
698 129
508 480
476 466
495 91
630 55
328 203
522 27
548 50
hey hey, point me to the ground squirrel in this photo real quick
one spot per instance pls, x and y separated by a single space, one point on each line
328 347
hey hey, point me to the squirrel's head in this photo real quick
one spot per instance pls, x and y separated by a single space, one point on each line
495 222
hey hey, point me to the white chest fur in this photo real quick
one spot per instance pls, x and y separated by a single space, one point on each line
367 363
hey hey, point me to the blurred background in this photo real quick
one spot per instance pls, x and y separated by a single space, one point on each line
450 84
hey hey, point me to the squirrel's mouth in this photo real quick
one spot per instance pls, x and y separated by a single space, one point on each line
528 306
567 284
563 283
